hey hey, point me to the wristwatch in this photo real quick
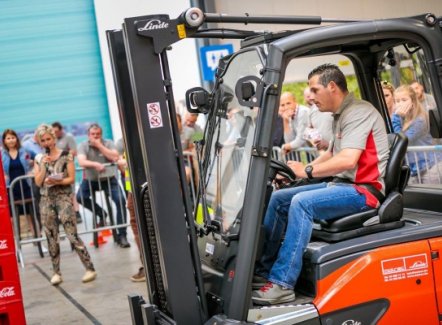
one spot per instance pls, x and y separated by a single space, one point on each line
308 170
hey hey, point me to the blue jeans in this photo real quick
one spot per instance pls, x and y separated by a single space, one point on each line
115 193
292 211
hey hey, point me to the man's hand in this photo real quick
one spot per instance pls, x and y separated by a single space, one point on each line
287 114
286 148
96 143
321 144
99 167
298 168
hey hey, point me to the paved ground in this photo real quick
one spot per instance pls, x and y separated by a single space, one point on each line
103 301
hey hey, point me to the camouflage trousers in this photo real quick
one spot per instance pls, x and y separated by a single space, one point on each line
56 209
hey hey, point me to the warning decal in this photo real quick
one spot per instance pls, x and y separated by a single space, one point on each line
154 112
404 267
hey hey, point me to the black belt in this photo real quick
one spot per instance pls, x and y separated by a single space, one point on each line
376 193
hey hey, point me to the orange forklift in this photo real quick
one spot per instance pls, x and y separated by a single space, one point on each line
382 266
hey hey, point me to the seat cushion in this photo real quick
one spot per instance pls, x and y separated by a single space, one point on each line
348 222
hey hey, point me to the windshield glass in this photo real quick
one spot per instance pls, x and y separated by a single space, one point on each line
230 152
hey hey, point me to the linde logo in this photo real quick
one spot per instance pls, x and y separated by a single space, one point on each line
154 24
3 244
7 292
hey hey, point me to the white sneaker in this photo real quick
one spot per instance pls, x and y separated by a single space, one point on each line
271 294
89 276
56 279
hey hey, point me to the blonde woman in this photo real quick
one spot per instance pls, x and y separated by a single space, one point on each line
388 90
54 174
411 118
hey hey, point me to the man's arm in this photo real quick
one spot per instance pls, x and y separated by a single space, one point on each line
347 159
85 163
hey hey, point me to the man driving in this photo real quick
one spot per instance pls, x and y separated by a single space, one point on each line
356 158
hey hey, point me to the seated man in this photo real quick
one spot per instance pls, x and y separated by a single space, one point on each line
93 155
357 157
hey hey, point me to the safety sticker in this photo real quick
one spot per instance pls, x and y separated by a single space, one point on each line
154 113
404 267
210 248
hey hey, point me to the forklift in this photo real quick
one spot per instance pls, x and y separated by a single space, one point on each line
378 267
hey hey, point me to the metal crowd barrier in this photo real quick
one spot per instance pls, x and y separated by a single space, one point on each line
430 169
303 154
89 218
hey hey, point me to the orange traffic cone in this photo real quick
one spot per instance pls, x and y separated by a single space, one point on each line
101 240
106 233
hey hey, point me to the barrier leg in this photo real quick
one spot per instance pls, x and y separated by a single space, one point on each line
111 216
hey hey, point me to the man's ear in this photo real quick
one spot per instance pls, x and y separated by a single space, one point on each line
332 86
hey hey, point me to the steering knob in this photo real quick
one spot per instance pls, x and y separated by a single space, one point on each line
194 17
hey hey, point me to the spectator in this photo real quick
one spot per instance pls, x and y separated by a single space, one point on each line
191 131
295 119
54 174
66 142
93 155
16 162
32 147
426 100
388 91
357 158
412 119
319 121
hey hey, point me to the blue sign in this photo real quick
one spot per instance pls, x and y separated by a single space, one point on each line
210 56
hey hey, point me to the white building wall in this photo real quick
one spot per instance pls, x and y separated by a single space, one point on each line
351 9
182 59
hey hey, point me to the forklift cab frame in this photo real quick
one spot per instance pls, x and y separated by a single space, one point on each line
200 260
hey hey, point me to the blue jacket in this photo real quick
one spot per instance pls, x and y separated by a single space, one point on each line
418 135
6 160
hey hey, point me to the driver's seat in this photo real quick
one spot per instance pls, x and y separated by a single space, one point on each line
388 215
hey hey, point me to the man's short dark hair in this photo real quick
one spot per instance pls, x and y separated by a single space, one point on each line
329 72
57 125
94 126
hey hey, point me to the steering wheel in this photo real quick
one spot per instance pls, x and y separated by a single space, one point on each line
278 167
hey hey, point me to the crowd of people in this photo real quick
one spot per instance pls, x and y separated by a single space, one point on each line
409 107
49 156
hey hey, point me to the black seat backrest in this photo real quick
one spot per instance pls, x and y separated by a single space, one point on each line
398 149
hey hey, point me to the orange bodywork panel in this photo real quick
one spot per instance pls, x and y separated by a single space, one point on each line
436 250
403 274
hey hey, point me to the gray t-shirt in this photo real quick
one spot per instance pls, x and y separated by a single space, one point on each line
93 154
67 142
358 125
428 102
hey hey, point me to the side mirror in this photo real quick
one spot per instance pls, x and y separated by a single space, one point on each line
198 100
